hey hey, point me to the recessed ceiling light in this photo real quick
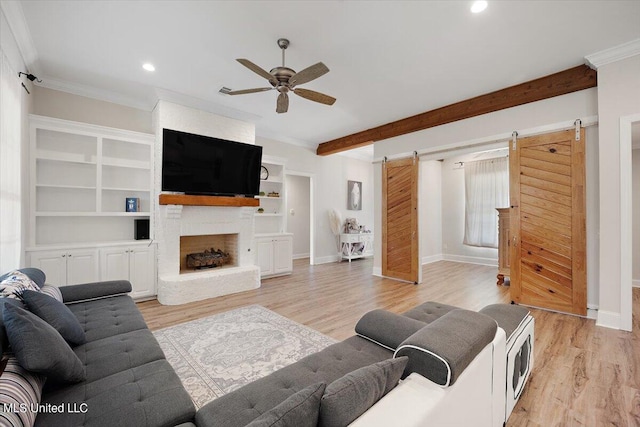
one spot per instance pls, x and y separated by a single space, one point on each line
478 6
148 67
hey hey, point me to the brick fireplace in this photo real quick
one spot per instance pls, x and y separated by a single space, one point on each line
225 243
182 229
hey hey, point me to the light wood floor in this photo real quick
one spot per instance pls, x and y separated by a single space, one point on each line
584 375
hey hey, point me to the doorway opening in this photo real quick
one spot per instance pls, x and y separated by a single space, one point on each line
299 201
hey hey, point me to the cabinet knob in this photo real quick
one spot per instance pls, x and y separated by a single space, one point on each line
64 255
69 255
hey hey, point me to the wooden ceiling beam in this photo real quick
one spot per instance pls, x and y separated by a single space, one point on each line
561 83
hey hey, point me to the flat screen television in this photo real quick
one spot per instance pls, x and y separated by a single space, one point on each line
196 164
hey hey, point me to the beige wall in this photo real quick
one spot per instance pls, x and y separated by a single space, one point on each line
67 106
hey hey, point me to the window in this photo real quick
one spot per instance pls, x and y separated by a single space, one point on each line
486 188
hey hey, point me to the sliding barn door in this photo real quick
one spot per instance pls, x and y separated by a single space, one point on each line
548 222
400 220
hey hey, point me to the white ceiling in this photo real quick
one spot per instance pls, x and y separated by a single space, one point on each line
388 59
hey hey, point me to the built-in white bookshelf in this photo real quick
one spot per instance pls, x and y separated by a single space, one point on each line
270 215
81 176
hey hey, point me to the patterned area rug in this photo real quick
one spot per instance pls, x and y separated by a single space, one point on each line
218 354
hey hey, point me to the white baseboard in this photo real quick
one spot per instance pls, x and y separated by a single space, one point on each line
377 271
432 258
608 319
635 283
492 262
326 259
301 256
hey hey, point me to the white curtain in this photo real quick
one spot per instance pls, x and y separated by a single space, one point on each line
486 185
10 160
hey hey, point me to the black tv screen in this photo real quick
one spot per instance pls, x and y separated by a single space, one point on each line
195 164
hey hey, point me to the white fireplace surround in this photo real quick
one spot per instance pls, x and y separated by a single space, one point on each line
174 221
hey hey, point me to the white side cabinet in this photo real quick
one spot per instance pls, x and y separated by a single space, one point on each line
134 263
67 267
274 254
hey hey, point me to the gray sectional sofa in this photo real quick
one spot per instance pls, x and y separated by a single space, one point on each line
128 382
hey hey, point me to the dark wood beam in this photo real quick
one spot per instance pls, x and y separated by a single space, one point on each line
567 81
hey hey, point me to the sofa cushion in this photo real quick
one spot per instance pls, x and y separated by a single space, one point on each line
15 283
348 397
52 291
4 340
300 410
444 348
429 311
245 404
387 329
40 348
148 395
18 387
108 317
111 355
55 314
508 316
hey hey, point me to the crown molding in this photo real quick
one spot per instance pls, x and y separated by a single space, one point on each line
613 54
205 105
18 24
95 93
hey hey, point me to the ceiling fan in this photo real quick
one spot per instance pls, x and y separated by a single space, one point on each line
284 79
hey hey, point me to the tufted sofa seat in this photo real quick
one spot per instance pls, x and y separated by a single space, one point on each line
128 380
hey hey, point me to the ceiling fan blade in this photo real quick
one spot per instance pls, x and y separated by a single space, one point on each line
312 95
244 91
283 103
253 67
308 74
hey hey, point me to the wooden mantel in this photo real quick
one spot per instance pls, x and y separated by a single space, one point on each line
187 200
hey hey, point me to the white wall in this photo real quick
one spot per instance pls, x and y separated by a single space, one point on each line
298 201
618 96
430 211
331 174
636 216
14 140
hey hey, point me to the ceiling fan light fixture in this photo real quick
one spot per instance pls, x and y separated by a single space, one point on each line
478 6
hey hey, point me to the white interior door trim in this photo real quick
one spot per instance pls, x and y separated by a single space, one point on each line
312 229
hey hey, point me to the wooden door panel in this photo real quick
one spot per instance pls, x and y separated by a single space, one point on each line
549 196
547 189
400 219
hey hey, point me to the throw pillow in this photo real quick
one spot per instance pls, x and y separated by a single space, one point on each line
55 314
15 283
300 409
348 397
19 387
34 274
52 291
40 348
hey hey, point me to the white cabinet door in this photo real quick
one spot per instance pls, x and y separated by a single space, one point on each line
67 267
282 255
82 266
54 265
114 263
264 256
142 271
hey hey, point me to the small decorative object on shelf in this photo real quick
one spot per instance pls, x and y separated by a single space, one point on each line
260 210
262 194
273 194
133 204
264 173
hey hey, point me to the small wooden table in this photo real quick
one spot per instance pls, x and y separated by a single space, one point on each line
356 245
